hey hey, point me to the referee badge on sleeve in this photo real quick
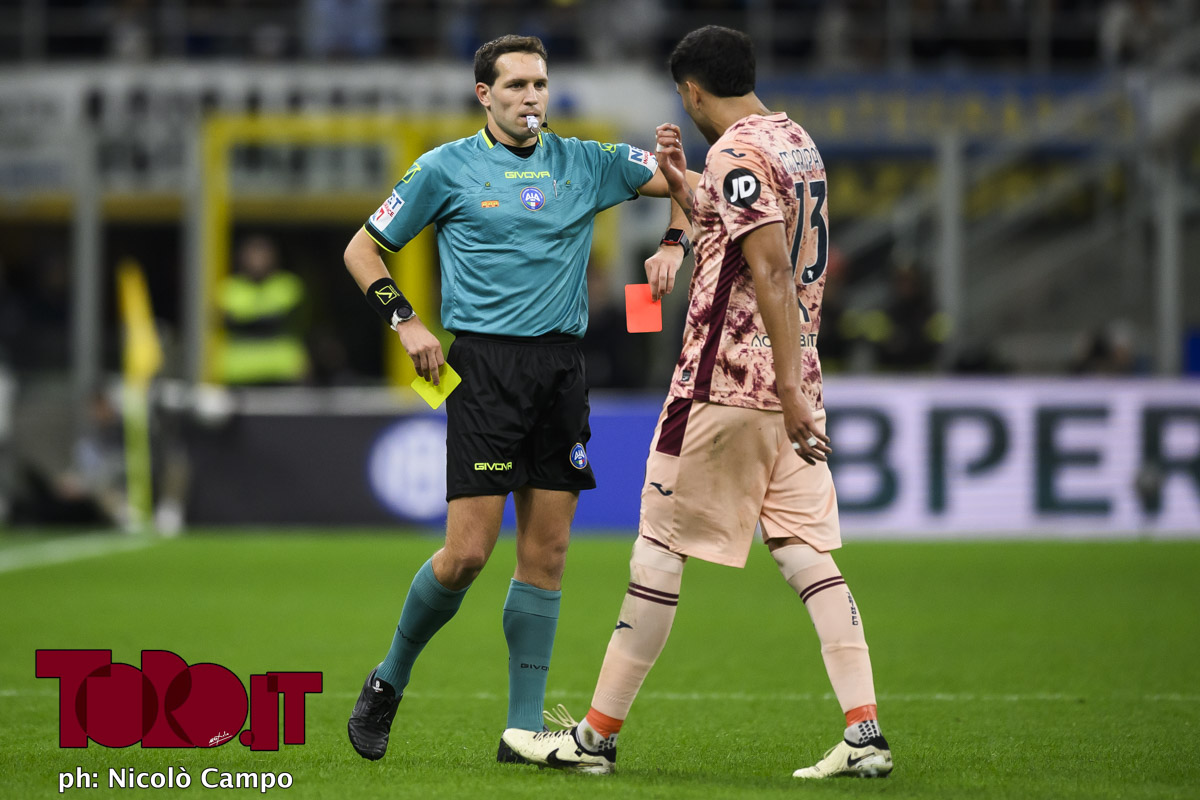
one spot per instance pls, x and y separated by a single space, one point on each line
579 456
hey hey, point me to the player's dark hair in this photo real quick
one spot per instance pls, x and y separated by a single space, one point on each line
485 56
720 59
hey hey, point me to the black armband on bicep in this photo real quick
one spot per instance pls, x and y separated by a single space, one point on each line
388 301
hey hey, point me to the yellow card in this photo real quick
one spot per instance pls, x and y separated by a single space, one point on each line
448 381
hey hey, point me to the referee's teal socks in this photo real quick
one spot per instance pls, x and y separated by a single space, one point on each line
530 619
427 608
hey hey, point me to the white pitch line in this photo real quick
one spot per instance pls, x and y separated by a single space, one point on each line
794 697
744 697
69 548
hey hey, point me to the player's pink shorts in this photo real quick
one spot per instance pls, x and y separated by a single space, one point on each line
715 471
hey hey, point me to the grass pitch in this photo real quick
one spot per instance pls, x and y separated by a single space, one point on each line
1021 670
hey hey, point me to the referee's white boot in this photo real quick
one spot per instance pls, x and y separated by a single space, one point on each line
871 759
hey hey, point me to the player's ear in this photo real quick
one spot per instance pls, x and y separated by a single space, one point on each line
483 93
694 93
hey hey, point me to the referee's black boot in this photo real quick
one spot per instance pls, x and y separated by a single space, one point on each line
371 720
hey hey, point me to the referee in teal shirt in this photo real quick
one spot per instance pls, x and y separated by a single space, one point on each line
513 206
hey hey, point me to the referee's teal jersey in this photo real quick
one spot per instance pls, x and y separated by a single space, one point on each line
514 234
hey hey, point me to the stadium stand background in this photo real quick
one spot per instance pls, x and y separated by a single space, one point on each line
1013 192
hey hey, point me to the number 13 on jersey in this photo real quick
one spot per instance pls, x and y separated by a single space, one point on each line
811 273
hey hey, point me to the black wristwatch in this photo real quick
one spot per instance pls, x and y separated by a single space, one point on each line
676 236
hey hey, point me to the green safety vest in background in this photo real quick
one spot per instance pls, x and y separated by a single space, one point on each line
261 342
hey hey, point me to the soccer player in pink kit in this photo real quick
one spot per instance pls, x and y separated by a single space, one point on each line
741 439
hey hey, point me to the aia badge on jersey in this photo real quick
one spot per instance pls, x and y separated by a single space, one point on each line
532 198
741 188
578 456
646 159
387 212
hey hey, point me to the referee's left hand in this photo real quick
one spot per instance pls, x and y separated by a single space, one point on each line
422 347
661 268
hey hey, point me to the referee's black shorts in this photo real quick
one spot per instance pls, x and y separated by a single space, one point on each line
520 417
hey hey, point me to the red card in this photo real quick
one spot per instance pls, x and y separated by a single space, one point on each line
642 315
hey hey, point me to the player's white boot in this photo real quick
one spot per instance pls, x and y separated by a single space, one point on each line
872 759
579 748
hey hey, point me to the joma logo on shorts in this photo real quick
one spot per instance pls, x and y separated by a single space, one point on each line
493 466
527 175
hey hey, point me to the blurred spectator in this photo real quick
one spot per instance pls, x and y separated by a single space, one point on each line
100 456
331 363
34 313
835 49
93 493
558 24
269 42
979 358
130 39
1107 351
1129 31
261 307
623 30
837 335
12 317
908 335
343 28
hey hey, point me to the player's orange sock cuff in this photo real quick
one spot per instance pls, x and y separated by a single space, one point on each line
603 724
853 716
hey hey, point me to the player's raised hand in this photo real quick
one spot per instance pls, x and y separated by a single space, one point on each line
807 439
671 160
422 347
661 268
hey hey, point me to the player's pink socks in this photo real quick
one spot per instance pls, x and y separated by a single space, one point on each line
645 621
816 578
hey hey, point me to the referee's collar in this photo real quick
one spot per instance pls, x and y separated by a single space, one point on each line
523 152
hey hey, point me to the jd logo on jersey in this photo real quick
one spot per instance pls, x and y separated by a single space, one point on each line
741 188
167 703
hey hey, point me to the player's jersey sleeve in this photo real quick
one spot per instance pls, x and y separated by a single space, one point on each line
746 195
618 171
419 198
